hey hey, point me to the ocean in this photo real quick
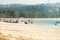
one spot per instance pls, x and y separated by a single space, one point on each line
47 22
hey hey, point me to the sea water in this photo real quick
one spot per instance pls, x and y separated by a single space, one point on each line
47 22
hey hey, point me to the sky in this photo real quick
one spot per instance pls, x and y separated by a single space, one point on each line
29 2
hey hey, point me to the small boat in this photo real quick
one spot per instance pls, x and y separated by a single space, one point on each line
57 23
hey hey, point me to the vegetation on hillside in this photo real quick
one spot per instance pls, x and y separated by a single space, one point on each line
30 11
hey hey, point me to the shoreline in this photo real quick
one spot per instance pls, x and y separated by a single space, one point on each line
32 18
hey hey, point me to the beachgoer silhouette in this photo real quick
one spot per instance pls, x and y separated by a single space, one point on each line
55 24
26 22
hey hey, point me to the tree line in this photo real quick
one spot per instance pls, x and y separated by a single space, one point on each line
17 14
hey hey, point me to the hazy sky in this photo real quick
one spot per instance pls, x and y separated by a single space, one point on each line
29 2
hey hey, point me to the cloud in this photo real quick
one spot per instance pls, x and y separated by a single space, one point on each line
27 1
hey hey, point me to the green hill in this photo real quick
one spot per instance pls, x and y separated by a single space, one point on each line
22 10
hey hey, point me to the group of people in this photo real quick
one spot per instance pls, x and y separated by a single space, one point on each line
27 21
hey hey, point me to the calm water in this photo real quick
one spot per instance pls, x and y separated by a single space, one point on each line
48 22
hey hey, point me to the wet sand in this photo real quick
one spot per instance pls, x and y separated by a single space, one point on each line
29 31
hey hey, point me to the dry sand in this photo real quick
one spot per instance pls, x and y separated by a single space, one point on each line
29 31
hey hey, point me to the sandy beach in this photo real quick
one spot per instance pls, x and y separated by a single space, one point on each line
16 31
